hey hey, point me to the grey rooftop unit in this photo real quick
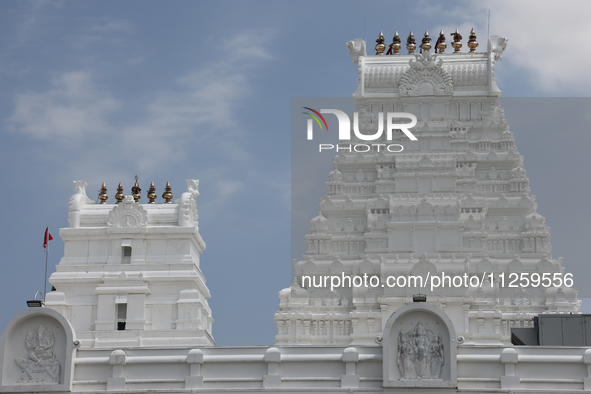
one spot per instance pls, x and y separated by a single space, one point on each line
555 330
564 330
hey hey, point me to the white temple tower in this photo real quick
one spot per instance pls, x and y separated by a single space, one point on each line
456 201
130 273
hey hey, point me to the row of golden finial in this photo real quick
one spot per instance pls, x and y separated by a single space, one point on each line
136 193
411 44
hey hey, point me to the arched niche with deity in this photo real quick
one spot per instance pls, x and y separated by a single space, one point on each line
36 352
420 348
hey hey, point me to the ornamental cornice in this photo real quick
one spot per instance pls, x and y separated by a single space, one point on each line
389 76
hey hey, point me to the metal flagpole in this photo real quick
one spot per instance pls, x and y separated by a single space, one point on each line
46 240
45 277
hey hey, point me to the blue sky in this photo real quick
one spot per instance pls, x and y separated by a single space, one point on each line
102 91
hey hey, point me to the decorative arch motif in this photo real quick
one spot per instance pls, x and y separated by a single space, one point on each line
128 214
426 69
423 267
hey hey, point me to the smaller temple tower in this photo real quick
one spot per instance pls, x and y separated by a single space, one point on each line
130 274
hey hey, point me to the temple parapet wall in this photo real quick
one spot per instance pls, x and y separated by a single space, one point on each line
441 75
329 369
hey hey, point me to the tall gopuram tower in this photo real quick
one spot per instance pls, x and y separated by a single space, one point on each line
130 273
455 202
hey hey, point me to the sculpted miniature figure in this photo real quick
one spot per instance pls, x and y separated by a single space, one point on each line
40 365
77 201
420 354
356 49
437 357
406 357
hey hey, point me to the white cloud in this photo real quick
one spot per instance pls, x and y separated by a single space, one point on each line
544 38
253 45
74 108
207 97
111 25
86 123
557 57
227 188
114 32
34 14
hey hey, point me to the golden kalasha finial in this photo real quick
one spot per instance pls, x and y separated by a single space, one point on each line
103 194
411 43
119 196
472 43
136 191
395 46
167 195
457 44
440 45
152 193
426 42
380 47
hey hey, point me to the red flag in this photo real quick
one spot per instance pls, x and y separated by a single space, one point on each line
46 239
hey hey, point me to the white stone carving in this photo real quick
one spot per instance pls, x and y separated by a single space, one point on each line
188 214
40 365
356 49
466 170
77 201
496 46
467 74
335 175
521 297
426 60
128 214
420 354
426 70
379 76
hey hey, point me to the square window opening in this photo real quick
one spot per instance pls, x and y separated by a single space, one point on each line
126 255
121 316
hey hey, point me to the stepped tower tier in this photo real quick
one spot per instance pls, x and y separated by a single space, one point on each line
130 274
455 202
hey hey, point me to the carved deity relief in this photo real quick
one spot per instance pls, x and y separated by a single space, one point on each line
40 364
521 297
420 354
